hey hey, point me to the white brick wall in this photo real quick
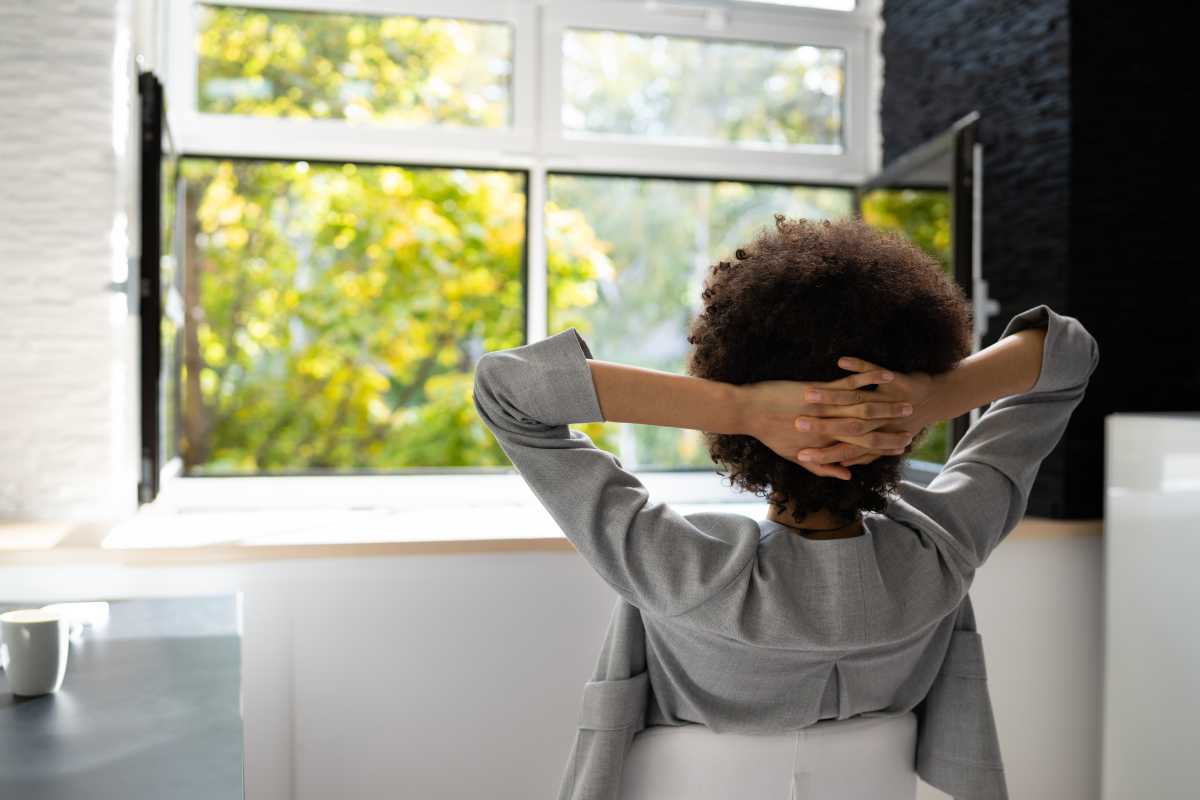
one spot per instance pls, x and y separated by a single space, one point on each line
67 405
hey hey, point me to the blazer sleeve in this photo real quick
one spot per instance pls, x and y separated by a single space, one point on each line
651 555
981 493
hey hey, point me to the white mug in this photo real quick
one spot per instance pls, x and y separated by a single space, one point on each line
36 644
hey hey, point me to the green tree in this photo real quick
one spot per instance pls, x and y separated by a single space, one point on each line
334 311
339 310
923 216
702 90
397 70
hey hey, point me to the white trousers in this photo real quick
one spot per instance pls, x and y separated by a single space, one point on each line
864 758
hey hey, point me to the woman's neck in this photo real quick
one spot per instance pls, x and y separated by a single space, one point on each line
831 525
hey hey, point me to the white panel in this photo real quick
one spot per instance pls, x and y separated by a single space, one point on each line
460 676
1038 603
66 368
1152 647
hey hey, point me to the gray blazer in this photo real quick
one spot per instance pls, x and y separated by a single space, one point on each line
724 622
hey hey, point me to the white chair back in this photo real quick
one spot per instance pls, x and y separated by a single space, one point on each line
865 758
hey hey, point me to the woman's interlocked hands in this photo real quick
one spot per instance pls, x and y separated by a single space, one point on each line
829 427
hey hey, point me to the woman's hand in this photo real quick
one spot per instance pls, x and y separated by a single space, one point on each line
797 418
916 389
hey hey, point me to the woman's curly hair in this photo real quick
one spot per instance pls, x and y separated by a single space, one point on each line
789 305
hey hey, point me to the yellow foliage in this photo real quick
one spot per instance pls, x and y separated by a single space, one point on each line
214 353
479 282
208 382
576 295
396 182
236 237
373 379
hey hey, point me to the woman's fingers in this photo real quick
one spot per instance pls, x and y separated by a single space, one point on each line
835 397
853 403
873 377
845 452
857 364
827 470
829 455
867 459
883 440
828 419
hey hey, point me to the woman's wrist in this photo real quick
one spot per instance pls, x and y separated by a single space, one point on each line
650 397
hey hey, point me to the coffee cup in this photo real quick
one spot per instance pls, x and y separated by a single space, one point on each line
34 650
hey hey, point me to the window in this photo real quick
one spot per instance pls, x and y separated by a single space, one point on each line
372 194
631 283
695 90
361 69
337 310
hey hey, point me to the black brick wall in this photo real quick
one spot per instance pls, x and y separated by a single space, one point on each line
1010 61
1085 202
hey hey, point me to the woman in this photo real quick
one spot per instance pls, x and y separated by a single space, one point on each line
850 598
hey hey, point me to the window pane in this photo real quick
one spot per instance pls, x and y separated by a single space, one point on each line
335 313
696 91
402 71
923 216
626 262
172 317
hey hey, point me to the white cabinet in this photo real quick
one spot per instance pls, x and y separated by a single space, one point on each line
1152 606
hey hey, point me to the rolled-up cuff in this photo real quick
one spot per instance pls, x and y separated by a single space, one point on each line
561 385
1069 354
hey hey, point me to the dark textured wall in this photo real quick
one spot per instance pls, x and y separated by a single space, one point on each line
1086 205
1010 61
1133 266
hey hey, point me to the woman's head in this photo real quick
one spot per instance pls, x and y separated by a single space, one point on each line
791 303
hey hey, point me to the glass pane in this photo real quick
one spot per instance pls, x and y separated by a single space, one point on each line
923 216
172 317
402 71
694 91
626 262
335 313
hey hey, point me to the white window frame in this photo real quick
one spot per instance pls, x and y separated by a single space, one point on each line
534 143
824 29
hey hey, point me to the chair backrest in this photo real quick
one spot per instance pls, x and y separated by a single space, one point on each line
864 758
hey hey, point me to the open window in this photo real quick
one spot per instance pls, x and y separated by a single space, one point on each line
160 308
932 194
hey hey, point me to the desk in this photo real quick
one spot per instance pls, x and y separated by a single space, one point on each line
150 708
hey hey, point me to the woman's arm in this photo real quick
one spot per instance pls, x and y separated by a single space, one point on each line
768 410
1010 366
1034 376
659 560
649 397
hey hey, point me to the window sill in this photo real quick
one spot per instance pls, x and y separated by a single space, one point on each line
432 491
198 520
